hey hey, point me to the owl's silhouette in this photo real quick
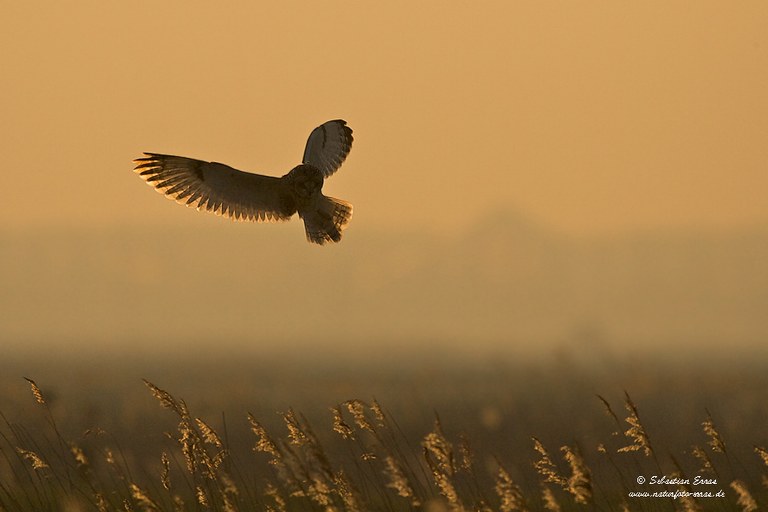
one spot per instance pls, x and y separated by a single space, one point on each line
245 196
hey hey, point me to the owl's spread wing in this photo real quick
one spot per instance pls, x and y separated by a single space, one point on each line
328 145
217 188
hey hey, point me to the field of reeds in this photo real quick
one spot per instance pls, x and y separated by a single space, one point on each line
350 436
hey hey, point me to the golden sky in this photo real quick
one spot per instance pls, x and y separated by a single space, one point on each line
590 117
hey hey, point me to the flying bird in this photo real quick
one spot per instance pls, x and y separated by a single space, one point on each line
246 196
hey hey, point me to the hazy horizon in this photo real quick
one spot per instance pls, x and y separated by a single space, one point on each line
505 285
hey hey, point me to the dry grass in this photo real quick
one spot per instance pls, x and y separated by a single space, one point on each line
469 448
361 460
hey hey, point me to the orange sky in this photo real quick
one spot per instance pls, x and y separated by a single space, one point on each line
589 117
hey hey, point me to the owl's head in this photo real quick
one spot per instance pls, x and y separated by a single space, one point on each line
306 180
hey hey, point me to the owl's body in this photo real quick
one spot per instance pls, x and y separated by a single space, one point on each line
245 196
324 217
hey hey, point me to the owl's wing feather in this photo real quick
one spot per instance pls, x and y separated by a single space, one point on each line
217 188
328 145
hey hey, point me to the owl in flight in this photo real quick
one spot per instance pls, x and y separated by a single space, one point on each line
245 196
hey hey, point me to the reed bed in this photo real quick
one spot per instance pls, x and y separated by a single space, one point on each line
360 459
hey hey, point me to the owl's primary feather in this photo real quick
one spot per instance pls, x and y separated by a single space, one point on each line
223 190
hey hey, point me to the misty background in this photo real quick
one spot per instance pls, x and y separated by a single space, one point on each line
503 285
552 201
528 178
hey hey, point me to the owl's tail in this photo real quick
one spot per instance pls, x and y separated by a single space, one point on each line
326 218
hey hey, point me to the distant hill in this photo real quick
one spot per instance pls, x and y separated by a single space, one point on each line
504 282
